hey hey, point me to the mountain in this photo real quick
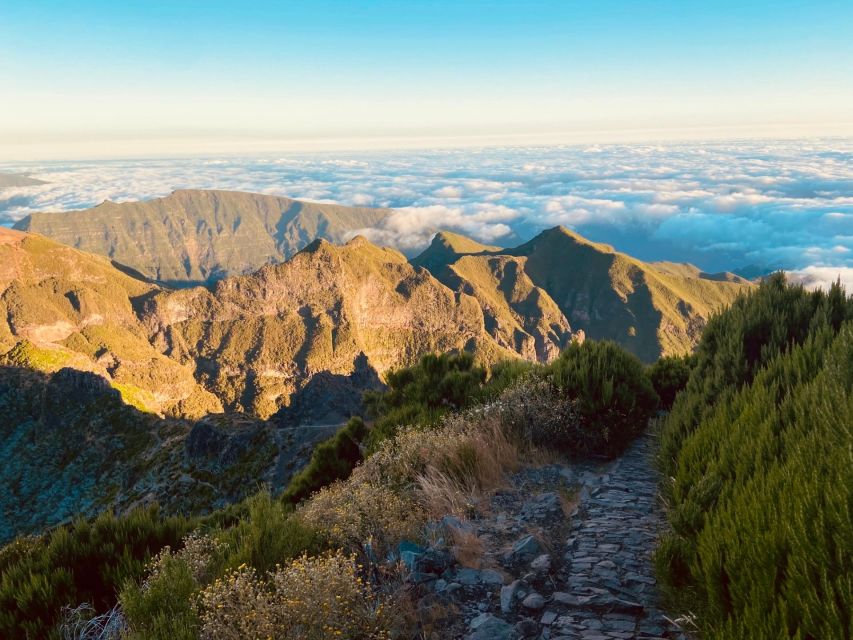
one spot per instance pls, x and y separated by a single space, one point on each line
536 294
255 340
196 236
60 307
18 180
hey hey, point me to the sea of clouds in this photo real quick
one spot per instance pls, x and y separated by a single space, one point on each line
744 206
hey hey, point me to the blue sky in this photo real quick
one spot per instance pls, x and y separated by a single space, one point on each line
134 78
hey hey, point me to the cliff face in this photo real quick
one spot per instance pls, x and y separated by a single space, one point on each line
194 236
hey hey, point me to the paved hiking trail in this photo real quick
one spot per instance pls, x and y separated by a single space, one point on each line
564 552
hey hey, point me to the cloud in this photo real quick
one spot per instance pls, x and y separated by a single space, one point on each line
780 204
814 277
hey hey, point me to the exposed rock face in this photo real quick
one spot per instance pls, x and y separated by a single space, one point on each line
540 294
194 236
256 340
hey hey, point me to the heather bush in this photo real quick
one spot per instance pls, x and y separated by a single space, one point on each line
421 394
612 392
269 534
309 598
760 485
333 459
84 562
669 376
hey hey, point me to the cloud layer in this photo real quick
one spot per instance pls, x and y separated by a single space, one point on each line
782 204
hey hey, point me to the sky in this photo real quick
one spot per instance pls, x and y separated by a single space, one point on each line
720 205
106 79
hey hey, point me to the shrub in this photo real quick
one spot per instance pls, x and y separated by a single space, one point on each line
757 448
333 459
307 599
534 412
84 562
613 393
362 516
269 534
669 376
162 606
423 393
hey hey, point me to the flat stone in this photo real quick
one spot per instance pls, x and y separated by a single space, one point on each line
533 601
491 628
541 564
548 618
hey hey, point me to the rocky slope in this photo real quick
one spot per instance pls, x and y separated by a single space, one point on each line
195 236
534 293
60 307
255 340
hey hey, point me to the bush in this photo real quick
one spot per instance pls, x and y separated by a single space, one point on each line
161 607
308 599
84 562
421 394
268 535
669 375
612 392
333 459
757 449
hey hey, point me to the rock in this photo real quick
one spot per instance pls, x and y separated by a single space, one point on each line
533 601
542 563
508 596
527 628
453 524
548 618
491 628
490 576
468 576
565 598
523 550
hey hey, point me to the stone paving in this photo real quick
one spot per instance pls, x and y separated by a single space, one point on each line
563 553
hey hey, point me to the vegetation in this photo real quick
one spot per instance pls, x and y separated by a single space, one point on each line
421 394
85 562
462 432
614 396
333 459
757 449
669 375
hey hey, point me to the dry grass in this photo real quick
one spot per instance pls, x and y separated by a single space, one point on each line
467 548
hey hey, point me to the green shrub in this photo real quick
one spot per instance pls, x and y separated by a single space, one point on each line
333 459
83 562
757 449
612 392
669 375
268 535
421 394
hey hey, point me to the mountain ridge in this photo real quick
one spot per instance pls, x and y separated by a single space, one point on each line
194 236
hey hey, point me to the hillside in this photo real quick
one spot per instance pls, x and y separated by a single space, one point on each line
60 307
257 339
194 236
559 280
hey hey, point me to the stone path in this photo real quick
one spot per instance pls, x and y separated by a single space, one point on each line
561 554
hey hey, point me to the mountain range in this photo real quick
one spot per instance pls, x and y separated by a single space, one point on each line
207 380
195 236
